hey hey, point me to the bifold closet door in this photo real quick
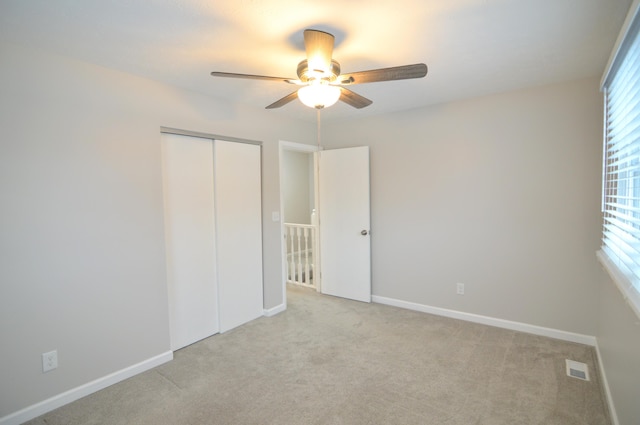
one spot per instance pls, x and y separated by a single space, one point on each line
238 213
188 185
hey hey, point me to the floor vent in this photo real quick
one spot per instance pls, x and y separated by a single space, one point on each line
577 370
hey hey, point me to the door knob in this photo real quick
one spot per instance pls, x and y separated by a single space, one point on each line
364 233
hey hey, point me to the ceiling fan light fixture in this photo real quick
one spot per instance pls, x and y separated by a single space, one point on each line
321 81
319 95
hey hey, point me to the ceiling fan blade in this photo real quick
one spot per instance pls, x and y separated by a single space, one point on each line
404 72
288 98
354 99
250 76
319 48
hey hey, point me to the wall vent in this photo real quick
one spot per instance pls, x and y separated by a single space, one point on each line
577 370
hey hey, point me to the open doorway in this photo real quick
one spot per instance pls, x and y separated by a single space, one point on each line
330 250
300 230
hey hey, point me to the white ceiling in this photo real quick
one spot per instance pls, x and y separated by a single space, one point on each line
472 47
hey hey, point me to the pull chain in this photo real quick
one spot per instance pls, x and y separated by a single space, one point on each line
317 260
318 136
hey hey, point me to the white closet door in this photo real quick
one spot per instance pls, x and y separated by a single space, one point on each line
187 169
239 232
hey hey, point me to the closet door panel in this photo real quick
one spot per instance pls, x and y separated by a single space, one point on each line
237 169
187 170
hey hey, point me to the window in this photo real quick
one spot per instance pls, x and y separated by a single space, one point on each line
621 167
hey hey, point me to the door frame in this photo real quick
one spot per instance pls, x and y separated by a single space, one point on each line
294 147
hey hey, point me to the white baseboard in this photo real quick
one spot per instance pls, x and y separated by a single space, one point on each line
490 321
607 390
275 310
74 394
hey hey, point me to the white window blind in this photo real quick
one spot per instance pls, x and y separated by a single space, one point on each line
621 166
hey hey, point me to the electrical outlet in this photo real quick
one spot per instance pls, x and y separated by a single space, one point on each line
460 288
49 360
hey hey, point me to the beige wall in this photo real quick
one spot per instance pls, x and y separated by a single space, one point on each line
81 239
297 186
618 336
501 193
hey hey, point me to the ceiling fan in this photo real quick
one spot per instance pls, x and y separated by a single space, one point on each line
319 76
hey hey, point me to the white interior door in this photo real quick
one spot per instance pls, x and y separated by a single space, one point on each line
345 245
187 170
238 215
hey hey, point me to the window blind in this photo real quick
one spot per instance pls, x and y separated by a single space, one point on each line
621 166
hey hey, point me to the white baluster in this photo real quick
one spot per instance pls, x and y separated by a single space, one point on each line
292 270
301 242
306 256
299 256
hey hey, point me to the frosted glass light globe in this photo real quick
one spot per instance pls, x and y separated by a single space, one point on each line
319 95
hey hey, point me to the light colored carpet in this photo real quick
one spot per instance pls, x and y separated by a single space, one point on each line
332 361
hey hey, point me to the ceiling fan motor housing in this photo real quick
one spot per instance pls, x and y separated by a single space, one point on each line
308 75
